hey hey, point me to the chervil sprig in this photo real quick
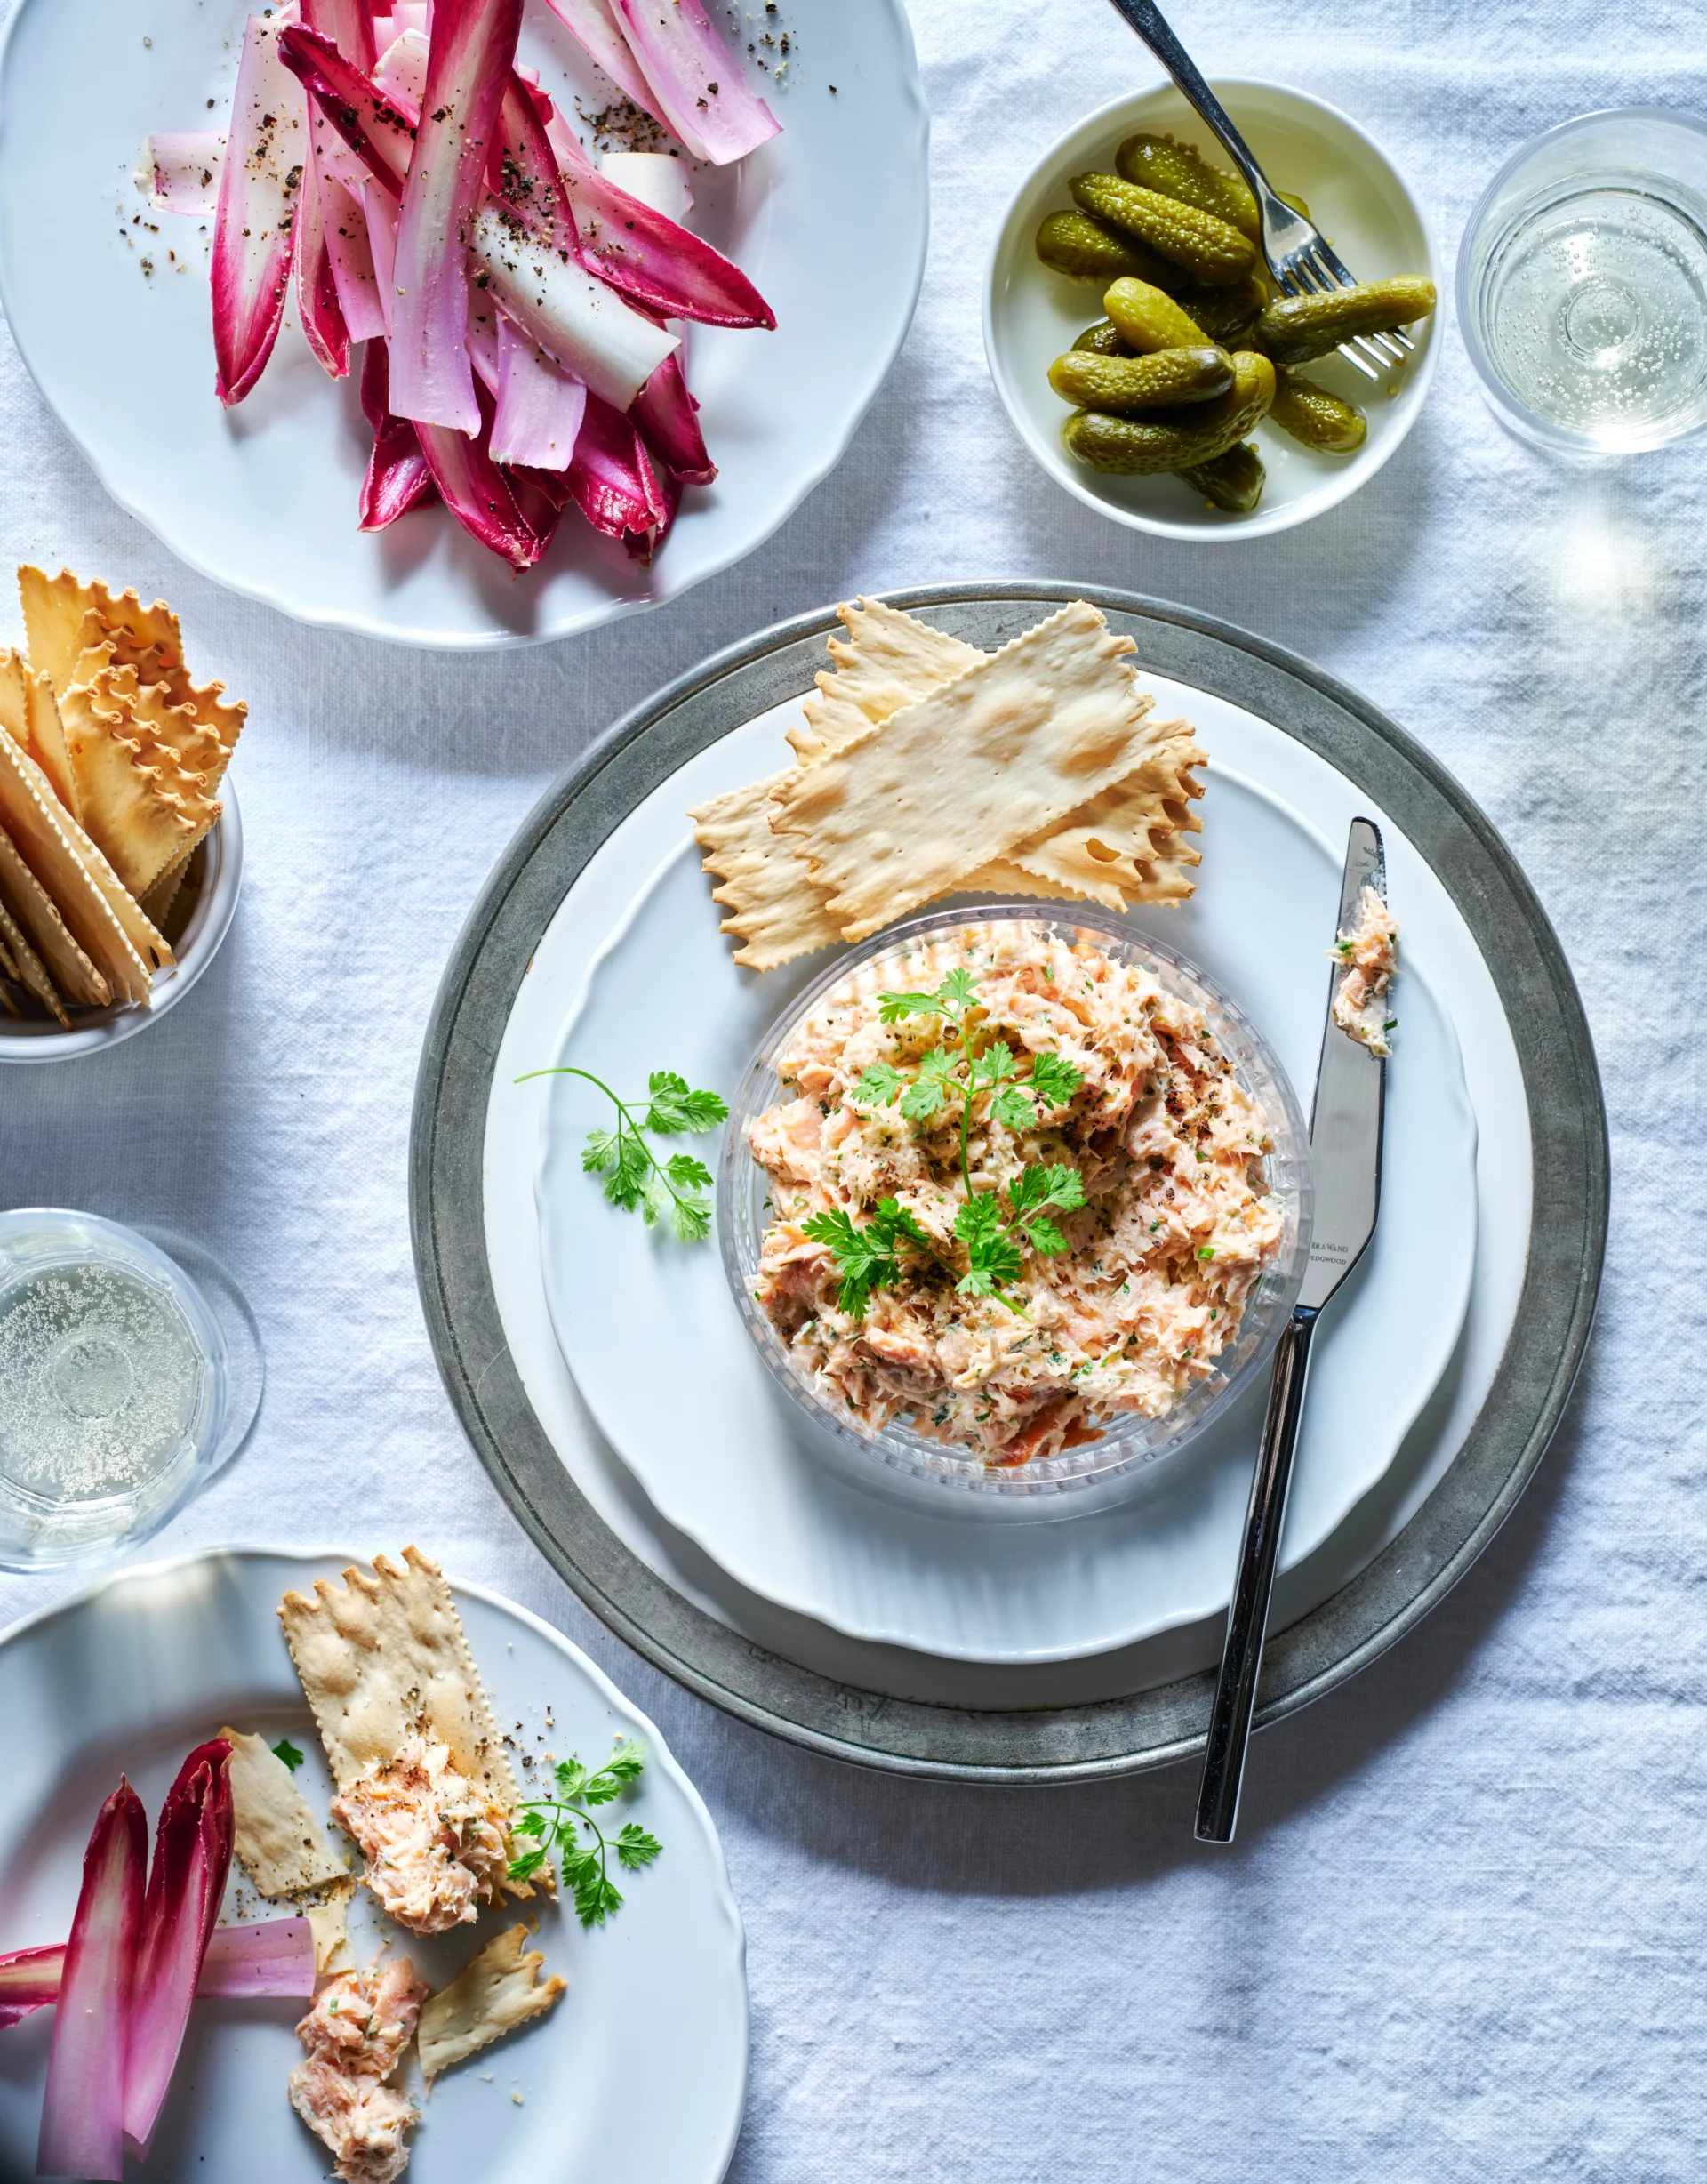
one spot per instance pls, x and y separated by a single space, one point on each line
866 1258
635 1178
564 1824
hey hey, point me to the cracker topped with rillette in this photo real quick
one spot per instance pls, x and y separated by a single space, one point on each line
927 767
424 1788
110 763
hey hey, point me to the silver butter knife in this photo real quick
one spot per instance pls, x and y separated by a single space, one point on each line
1345 1155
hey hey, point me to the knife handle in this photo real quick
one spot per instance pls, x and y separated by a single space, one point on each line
1247 1616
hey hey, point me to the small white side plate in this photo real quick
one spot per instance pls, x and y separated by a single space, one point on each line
652 1338
263 498
639 2071
1360 202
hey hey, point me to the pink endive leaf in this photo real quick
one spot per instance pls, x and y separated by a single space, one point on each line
318 301
473 49
640 251
349 24
192 1857
187 164
540 406
381 136
380 213
351 257
613 480
83 2107
666 417
254 226
523 172
600 36
401 72
578 320
397 477
272 1957
477 492
695 78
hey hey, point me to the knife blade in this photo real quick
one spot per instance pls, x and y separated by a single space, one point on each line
1345 1139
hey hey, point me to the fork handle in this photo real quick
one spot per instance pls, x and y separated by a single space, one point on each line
1247 1616
1152 26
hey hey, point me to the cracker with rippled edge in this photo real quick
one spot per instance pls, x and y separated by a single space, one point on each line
905 813
776 912
168 726
279 1843
58 612
889 659
493 1994
1133 835
136 803
32 972
15 705
75 977
383 1656
327 1912
104 649
157 904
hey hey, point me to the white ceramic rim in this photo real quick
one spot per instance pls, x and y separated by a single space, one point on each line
658 1751
1283 516
1515 415
1129 1445
909 88
22 1040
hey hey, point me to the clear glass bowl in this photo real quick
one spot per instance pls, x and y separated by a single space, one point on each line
1128 1442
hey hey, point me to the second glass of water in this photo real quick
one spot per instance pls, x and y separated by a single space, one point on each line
1583 284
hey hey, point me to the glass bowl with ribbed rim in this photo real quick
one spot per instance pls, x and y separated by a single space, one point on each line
1129 1443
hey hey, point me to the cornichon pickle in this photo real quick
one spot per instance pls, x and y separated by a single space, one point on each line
1142 314
1318 419
1294 329
1075 243
1209 249
1233 481
1104 339
1123 385
1226 315
1140 446
1178 171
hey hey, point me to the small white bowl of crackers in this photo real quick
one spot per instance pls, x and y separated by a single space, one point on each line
121 854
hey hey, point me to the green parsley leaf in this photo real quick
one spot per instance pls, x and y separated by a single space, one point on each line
1013 1108
626 1183
531 1823
978 1217
1044 1236
524 1868
960 990
866 1258
689 1219
286 1751
878 1086
599 1151
635 1847
995 1065
895 1008
1055 1080
674 1109
1205 1251
930 1088
1052 1184
689 1174
566 1823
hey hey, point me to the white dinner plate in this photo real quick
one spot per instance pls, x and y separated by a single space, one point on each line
659 1353
640 2069
263 498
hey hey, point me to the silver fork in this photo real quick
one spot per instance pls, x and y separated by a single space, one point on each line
1299 256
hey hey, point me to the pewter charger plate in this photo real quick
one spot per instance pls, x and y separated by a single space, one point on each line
1109 1736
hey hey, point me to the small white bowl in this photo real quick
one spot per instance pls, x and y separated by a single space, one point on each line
32 1039
1357 199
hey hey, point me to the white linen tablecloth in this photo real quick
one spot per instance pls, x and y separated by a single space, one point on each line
1461 1933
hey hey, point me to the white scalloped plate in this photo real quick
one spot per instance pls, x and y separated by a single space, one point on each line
661 1359
263 498
639 2071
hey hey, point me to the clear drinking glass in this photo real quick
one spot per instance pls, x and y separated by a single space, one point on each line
1583 284
125 1381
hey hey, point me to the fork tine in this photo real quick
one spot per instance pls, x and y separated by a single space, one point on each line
1352 356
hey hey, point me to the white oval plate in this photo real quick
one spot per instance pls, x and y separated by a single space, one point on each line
639 2071
1361 205
658 1350
263 498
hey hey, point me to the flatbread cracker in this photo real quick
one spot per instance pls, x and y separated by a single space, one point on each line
906 812
279 1843
74 873
383 1657
14 716
1130 833
327 1912
498 1990
31 972
72 972
47 743
57 610
167 726
777 913
134 804
891 659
